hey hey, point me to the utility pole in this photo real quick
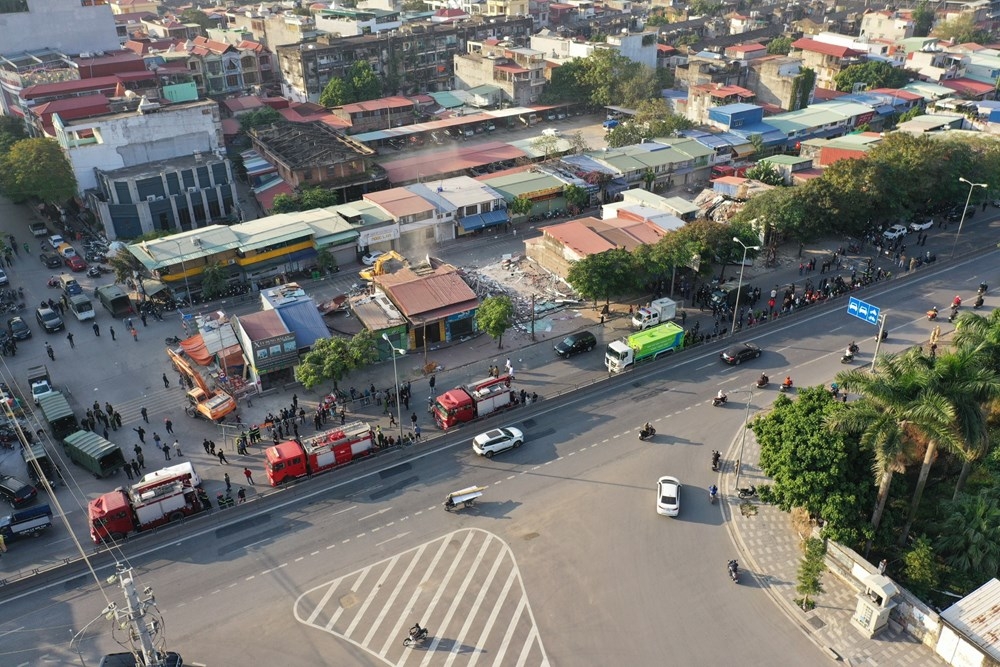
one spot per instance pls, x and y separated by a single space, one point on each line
133 618
532 317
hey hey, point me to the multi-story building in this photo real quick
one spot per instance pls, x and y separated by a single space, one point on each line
343 21
146 132
132 6
170 28
777 81
380 114
827 60
178 194
639 47
519 73
272 30
887 26
704 97
417 57
70 27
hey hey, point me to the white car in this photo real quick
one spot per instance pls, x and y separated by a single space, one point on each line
497 440
55 241
894 232
551 132
921 226
4 280
370 258
668 496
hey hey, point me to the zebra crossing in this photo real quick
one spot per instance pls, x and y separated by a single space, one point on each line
464 587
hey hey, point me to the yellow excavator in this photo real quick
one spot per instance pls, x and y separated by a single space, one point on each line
378 268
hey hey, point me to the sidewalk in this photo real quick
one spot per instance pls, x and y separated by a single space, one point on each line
771 553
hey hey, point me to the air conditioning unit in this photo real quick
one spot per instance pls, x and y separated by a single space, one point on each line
192 189
231 262
150 197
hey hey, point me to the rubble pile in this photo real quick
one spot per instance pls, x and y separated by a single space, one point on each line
520 278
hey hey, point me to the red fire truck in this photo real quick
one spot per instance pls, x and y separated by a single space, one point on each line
288 460
463 404
160 497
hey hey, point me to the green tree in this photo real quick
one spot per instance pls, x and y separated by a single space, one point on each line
326 262
603 275
213 280
329 359
809 581
200 18
261 117
576 197
307 200
961 29
520 206
923 19
626 134
494 316
874 73
876 420
336 93
968 539
920 568
124 265
11 132
765 172
578 144
640 87
364 82
37 168
567 85
779 46
362 349
604 73
812 468
545 144
703 8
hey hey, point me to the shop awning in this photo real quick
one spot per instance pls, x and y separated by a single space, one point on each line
473 222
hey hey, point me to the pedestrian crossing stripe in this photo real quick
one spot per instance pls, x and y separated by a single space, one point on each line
465 587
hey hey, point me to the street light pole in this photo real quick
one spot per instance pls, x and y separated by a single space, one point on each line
972 186
187 287
739 285
395 376
743 440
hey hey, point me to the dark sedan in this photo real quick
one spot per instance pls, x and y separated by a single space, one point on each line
18 328
16 492
50 260
737 354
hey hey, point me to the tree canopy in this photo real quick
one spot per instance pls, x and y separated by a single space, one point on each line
873 73
604 77
334 358
307 200
192 15
359 84
258 118
11 132
961 29
779 46
37 168
494 316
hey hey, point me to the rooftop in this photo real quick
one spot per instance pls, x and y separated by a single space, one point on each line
308 144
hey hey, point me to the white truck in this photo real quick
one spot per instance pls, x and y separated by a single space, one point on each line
658 312
41 384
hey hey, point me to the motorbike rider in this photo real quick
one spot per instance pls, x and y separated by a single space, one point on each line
734 567
788 382
956 302
720 396
763 380
713 490
416 631
849 352
647 428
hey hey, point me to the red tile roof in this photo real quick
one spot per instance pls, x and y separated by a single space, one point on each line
967 86
69 87
375 105
821 94
72 107
896 92
579 237
727 91
242 103
806 44
746 48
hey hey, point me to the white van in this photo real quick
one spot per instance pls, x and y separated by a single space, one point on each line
81 307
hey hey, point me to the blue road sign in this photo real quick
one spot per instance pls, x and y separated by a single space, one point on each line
863 311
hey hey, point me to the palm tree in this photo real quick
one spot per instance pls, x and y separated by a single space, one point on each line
881 433
969 538
978 332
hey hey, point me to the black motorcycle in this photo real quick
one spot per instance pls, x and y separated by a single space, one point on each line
646 433
417 636
750 492
734 571
719 400
716 458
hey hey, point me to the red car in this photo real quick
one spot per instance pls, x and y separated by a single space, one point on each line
75 263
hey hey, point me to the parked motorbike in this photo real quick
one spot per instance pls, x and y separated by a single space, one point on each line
734 571
719 400
750 492
646 434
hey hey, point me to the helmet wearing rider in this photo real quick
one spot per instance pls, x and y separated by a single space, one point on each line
788 381
720 395
647 427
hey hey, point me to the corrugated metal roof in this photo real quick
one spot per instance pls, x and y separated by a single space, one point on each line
428 296
399 202
262 325
977 617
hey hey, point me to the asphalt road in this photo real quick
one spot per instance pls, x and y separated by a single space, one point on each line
565 561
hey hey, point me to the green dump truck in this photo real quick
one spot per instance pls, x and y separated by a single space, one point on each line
59 415
94 453
649 344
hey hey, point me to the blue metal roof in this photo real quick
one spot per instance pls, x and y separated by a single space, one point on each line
769 134
473 222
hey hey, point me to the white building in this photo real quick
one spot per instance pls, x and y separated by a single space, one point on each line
876 49
71 27
148 134
343 21
639 47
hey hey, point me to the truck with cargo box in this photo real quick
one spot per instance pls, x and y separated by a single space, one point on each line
92 452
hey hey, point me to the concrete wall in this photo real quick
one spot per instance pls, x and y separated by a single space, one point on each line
63 25
127 140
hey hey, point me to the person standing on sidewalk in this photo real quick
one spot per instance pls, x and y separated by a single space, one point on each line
248 475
